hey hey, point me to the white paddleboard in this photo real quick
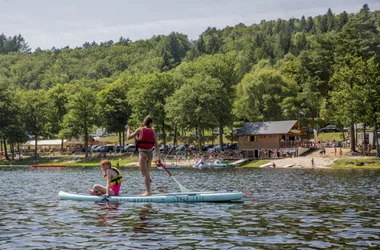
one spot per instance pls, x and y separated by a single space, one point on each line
222 196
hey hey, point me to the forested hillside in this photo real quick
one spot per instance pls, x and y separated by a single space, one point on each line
325 66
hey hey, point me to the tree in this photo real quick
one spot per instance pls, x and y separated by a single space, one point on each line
321 24
347 97
299 43
13 44
356 94
359 38
358 41
148 97
371 79
196 104
35 106
58 98
10 118
341 21
303 23
81 116
224 68
330 20
310 25
364 13
262 93
114 108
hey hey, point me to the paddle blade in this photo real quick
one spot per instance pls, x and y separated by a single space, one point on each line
181 187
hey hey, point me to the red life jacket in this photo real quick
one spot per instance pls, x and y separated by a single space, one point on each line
146 139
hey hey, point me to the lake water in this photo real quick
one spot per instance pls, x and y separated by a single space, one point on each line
292 209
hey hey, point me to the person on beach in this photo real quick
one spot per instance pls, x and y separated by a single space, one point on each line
145 140
113 178
312 163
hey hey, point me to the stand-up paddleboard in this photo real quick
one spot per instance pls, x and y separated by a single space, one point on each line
222 196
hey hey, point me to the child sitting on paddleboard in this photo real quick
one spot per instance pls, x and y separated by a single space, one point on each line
113 178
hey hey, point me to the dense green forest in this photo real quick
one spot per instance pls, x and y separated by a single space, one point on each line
325 66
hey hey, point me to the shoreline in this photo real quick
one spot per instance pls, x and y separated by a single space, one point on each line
281 163
329 161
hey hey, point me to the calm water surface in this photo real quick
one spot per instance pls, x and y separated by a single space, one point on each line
292 209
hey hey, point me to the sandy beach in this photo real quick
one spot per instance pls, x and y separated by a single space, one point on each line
323 161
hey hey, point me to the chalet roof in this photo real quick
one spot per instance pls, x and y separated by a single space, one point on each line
265 128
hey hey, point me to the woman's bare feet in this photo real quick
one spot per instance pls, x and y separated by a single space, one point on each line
146 194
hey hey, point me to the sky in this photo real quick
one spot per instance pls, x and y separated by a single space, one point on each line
48 23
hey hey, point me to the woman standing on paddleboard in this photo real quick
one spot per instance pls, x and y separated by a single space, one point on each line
145 140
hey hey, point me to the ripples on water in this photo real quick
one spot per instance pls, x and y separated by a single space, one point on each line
293 209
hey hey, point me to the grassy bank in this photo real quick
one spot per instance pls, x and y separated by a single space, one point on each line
331 136
366 162
256 163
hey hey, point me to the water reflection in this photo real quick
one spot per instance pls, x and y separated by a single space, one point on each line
144 224
110 214
107 213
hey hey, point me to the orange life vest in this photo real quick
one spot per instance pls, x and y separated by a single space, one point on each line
145 139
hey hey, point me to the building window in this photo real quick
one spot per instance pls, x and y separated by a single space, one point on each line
252 138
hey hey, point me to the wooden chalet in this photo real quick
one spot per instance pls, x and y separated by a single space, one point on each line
284 136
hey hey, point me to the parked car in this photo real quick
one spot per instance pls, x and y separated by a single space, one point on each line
130 148
215 148
329 128
206 147
233 146
346 129
106 148
94 147
162 147
99 148
118 148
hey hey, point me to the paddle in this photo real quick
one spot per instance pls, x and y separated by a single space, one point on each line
181 187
